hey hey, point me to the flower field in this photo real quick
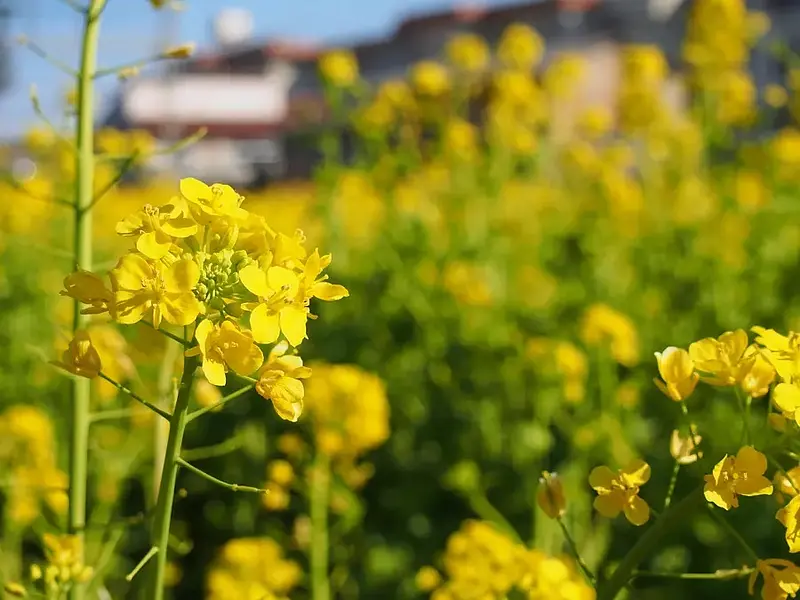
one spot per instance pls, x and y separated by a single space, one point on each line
496 353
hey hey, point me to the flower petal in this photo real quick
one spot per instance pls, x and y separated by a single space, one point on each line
182 276
264 324
255 280
751 461
329 291
194 189
601 478
637 473
293 323
214 372
637 511
609 505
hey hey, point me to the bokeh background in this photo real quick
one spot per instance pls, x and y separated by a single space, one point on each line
526 200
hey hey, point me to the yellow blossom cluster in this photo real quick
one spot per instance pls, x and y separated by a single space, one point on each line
251 569
64 567
604 327
482 562
202 258
28 456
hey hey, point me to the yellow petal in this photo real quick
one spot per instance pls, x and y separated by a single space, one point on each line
255 280
786 397
293 323
131 269
202 332
214 372
180 309
609 505
287 398
194 189
180 227
245 363
264 324
182 276
329 291
153 245
283 278
637 511
637 473
751 461
601 478
754 486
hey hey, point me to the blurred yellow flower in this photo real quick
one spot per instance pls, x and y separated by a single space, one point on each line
734 476
468 52
789 517
781 579
782 351
427 579
430 78
520 47
602 325
684 448
339 68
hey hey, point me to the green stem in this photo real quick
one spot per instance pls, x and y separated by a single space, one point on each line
649 542
84 184
721 574
574 549
320 476
135 396
140 565
232 396
673 480
479 503
234 487
169 475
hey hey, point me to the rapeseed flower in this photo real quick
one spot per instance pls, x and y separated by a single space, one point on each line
677 372
740 475
619 492
550 496
280 381
781 579
225 347
81 358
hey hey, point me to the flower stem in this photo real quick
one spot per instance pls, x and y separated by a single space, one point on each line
574 549
169 475
320 487
673 480
82 231
649 542
721 574
733 533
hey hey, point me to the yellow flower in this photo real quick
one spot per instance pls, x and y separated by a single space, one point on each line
619 492
758 377
143 288
88 288
775 95
789 517
277 497
206 393
742 475
427 579
781 579
281 472
721 361
429 78
207 202
178 52
520 47
684 449
786 484
81 357
550 496
783 352
786 397
468 52
279 381
603 325
677 371
155 228
339 68
276 311
225 347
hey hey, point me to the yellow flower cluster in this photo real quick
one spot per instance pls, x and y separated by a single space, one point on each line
602 326
204 259
28 456
251 569
564 359
348 409
64 567
481 562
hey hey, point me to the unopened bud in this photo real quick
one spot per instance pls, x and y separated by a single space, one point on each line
182 51
550 496
128 73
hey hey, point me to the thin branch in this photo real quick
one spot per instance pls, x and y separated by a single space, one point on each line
161 413
171 336
720 574
78 8
110 415
17 185
137 64
576 554
42 53
150 554
123 169
183 143
234 487
233 396
214 451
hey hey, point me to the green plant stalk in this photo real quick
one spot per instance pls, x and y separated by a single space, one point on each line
169 475
84 190
320 484
646 544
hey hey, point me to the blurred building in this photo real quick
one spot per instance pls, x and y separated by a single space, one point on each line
256 97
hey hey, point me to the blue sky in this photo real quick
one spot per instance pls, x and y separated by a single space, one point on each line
132 29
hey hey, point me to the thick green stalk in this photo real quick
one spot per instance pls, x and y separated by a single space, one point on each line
84 189
649 542
320 486
169 475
